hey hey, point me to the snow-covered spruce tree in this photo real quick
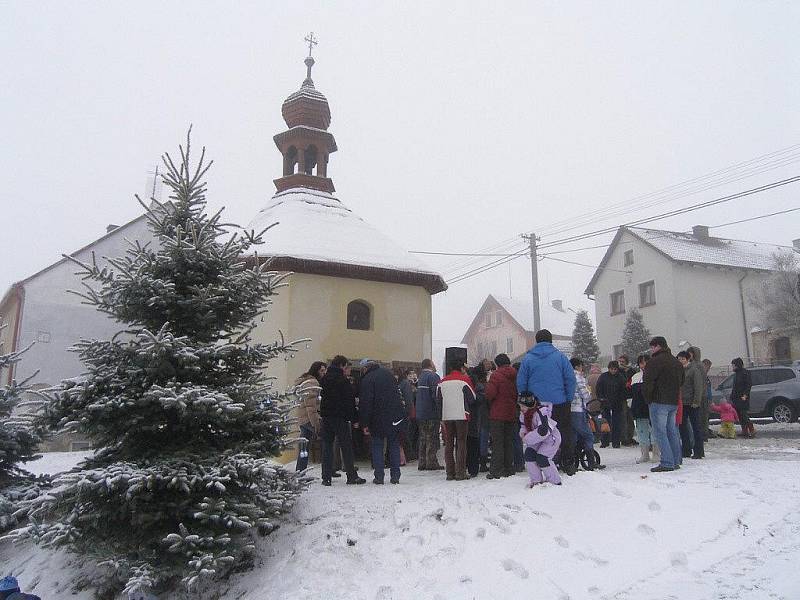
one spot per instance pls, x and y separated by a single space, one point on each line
177 405
20 434
635 336
584 342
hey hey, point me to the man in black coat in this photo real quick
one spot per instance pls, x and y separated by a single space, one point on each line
612 390
382 414
337 409
740 396
662 381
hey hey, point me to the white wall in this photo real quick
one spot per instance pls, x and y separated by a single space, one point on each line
56 319
647 265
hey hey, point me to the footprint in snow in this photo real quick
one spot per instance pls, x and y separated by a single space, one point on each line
654 506
561 541
503 527
480 532
507 518
513 507
509 564
384 593
599 562
679 559
645 529
620 493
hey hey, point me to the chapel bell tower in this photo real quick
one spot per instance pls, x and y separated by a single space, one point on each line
306 144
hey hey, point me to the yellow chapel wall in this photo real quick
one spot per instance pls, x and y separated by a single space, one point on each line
315 307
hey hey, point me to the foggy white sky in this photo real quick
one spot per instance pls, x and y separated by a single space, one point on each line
458 125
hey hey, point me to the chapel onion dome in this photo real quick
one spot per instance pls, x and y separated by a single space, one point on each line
307 106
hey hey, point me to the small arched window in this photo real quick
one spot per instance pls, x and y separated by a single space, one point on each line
359 315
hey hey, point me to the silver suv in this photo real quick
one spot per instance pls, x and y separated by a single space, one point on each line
775 393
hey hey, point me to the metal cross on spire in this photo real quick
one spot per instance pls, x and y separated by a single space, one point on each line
312 41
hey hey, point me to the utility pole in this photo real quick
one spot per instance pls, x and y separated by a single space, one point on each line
537 322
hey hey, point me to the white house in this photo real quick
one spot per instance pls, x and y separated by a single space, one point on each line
40 309
690 287
506 325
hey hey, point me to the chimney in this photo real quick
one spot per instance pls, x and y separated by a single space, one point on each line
796 244
558 305
111 227
700 232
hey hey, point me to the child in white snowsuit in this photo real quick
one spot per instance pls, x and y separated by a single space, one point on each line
541 440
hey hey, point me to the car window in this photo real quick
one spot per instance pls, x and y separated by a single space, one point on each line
778 375
759 376
727 384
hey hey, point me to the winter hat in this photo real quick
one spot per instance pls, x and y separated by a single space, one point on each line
528 400
365 362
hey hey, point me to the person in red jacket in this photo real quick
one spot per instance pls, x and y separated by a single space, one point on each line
501 392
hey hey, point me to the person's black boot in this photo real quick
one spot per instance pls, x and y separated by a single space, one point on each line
355 480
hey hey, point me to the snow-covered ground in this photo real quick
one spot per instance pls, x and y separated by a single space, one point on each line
725 527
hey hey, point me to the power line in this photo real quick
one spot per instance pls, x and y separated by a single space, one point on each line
723 176
698 206
458 253
780 212
580 264
675 212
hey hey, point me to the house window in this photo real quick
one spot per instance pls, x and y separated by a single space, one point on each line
510 346
647 293
616 350
498 318
494 349
617 303
481 350
359 315
627 259
488 319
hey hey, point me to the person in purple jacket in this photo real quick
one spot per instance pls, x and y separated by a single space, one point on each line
541 439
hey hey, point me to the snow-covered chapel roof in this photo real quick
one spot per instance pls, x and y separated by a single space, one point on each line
315 226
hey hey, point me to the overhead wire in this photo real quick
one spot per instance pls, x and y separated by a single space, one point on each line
698 206
723 176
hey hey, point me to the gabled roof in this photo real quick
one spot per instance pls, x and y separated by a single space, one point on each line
560 323
317 227
686 248
108 234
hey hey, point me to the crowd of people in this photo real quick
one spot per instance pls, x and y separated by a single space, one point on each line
542 415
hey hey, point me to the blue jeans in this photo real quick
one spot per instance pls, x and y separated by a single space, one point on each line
665 431
584 438
643 432
484 450
394 456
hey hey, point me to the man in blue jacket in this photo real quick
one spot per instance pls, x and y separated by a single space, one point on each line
547 373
